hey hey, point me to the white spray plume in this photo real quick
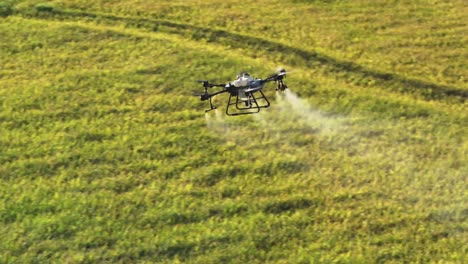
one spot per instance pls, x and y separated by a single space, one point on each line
215 121
310 116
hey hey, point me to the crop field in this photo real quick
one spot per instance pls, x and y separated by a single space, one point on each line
107 157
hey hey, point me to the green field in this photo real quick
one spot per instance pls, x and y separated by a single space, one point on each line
106 157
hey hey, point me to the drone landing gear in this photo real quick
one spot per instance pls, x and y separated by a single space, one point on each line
250 104
281 86
211 107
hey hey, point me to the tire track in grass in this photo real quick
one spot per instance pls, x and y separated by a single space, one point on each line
362 92
315 120
294 56
309 125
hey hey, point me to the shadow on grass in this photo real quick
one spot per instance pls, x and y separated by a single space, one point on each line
311 59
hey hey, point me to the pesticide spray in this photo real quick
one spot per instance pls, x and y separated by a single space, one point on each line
291 112
216 122
230 130
311 117
273 124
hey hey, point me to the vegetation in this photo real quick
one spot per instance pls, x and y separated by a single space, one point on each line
106 157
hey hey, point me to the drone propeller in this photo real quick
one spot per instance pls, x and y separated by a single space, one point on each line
278 78
205 95
281 72
206 84
237 92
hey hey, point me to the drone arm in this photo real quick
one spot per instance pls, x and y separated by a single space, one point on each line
275 77
279 81
270 79
207 96
218 92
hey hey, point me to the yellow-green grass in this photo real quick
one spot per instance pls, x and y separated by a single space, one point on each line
422 39
106 157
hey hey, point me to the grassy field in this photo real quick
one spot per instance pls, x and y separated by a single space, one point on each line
105 157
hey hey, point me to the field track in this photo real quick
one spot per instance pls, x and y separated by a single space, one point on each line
107 157
256 44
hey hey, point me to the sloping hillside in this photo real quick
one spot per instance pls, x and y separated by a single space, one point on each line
107 157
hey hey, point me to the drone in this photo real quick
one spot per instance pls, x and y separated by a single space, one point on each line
245 93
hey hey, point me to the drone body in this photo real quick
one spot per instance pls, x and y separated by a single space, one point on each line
245 93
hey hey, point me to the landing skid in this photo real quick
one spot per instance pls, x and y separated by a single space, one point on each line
251 105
